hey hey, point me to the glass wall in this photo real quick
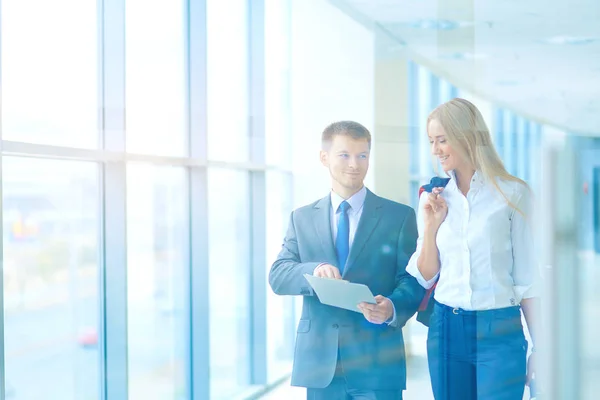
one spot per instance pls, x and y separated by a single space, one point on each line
155 81
519 144
51 271
145 192
278 59
586 293
227 83
49 74
281 321
229 277
157 225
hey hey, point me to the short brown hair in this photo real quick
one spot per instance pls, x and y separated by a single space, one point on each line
346 128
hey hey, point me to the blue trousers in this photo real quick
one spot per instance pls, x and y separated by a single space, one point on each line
339 390
477 355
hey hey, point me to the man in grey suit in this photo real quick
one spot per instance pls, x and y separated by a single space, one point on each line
350 234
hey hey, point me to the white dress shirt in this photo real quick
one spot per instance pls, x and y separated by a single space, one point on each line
486 251
356 202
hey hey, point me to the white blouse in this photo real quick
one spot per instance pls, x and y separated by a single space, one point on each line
486 250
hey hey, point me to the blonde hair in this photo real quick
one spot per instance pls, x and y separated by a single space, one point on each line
468 135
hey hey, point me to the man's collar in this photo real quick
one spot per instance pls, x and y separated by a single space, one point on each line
356 200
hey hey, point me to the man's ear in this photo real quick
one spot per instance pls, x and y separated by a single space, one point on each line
324 156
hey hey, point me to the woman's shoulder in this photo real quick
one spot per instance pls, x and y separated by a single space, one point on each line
514 188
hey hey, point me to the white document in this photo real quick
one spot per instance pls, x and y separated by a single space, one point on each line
340 293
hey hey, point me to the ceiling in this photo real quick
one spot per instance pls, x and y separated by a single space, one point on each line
540 58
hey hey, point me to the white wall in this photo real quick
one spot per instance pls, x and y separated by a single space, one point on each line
332 78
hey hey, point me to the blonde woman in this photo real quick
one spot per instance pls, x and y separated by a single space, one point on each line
475 241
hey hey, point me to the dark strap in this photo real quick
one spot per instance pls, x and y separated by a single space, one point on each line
427 298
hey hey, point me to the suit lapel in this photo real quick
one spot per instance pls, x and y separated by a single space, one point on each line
322 223
366 225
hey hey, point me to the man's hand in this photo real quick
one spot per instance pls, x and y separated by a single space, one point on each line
378 313
327 271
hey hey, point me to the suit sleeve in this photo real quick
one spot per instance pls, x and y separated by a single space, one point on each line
408 292
287 272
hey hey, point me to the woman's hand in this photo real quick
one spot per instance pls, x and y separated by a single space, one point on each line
531 367
435 209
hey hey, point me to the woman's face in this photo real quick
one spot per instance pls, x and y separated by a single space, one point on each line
449 159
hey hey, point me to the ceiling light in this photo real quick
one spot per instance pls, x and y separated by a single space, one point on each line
564 40
463 56
438 24
514 82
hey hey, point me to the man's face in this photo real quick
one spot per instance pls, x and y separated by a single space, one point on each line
348 162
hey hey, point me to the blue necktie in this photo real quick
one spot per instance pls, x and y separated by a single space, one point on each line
342 241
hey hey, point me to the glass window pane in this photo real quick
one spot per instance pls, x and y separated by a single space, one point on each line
278 117
424 85
229 279
280 309
155 77
157 232
507 144
49 72
445 91
51 229
227 70
588 267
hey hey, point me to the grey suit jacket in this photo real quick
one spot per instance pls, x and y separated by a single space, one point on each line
372 356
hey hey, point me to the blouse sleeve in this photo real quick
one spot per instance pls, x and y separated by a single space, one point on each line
412 268
525 269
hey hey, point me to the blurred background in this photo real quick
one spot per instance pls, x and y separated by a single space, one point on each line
152 151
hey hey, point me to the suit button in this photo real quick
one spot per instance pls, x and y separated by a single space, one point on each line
335 326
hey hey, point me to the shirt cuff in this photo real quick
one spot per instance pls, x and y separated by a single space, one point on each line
427 284
413 270
392 320
525 292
